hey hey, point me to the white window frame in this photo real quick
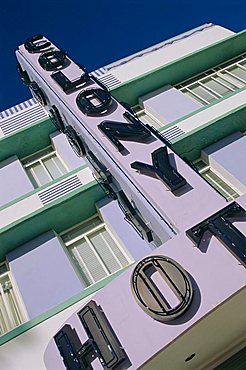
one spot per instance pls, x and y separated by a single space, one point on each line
146 117
203 172
221 71
228 78
20 311
50 152
101 226
222 83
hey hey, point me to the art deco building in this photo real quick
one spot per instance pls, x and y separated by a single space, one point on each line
123 209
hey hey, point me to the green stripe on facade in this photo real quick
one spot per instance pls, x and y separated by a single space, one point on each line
236 362
59 215
27 140
61 307
190 144
187 116
40 188
181 69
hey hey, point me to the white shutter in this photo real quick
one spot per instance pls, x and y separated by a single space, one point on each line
10 314
89 264
4 324
94 252
116 250
102 248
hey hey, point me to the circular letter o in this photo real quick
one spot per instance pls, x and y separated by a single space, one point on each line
170 276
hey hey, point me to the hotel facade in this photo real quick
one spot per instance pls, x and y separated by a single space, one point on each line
123 209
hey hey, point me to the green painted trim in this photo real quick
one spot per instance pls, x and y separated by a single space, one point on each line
28 140
59 215
37 190
59 308
177 121
190 144
50 205
197 129
181 69
215 120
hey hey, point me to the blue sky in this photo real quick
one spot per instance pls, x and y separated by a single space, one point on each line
95 33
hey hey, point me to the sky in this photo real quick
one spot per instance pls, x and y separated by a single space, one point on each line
96 33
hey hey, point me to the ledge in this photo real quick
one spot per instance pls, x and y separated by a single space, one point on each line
181 69
27 140
59 215
59 308
205 107
191 143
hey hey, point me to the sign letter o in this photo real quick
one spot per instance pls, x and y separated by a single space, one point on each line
170 276
53 60
87 98
37 44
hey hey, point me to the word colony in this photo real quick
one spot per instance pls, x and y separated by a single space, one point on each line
112 139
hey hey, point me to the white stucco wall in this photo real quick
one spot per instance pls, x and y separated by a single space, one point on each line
26 351
169 53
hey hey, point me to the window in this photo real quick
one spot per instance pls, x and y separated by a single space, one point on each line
207 87
146 118
215 180
44 166
94 251
217 82
11 314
